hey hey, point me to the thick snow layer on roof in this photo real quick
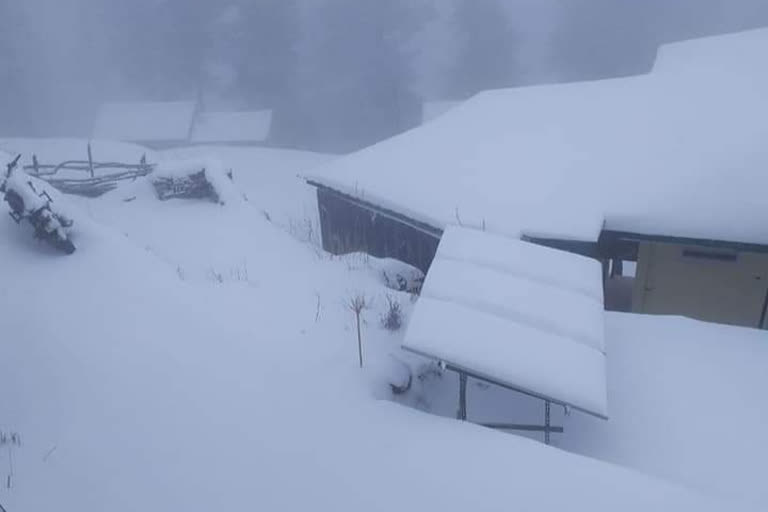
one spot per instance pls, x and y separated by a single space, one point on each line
531 261
715 54
232 126
506 325
510 353
668 153
544 307
145 121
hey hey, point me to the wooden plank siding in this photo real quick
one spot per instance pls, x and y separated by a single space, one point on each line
348 226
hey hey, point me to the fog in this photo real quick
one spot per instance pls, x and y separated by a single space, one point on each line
338 74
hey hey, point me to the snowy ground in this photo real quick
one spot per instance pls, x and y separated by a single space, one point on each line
685 400
193 356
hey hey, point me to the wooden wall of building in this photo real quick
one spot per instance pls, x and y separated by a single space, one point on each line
349 227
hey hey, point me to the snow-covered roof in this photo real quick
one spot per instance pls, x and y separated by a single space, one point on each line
232 126
145 121
432 109
678 152
517 314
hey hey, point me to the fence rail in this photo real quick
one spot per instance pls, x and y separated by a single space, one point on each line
96 182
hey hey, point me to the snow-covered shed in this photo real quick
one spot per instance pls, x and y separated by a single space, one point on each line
240 128
149 123
666 169
515 314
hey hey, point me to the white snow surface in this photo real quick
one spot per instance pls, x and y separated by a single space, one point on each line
193 356
509 353
679 390
270 178
537 305
530 261
232 127
148 121
677 152
514 330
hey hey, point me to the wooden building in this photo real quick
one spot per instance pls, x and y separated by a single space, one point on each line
665 172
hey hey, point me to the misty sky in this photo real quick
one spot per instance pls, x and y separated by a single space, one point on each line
340 74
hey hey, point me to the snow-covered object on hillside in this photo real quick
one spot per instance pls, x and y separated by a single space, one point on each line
32 200
509 327
679 152
176 173
398 275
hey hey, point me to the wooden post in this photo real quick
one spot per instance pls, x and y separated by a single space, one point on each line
90 160
462 414
35 165
547 429
359 339
617 268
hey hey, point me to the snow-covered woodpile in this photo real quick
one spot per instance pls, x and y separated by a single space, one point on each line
193 179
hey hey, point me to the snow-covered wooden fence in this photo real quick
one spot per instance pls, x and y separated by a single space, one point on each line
87 177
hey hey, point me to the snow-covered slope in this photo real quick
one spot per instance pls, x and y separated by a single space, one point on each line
687 404
677 152
270 178
139 379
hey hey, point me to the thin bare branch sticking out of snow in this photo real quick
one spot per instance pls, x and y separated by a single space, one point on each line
357 304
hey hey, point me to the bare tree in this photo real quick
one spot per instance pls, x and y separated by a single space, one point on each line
357 305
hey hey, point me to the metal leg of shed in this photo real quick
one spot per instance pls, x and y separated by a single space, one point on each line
546 422
462 414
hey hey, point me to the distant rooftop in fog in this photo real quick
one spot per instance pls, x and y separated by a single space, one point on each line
179 123
145 121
